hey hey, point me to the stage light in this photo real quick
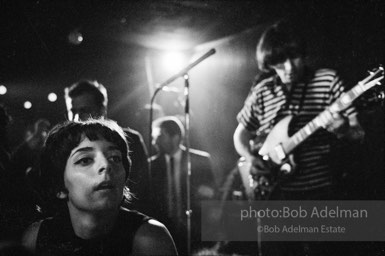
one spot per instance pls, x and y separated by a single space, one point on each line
27 105
173 61
75 37
3 90
52 97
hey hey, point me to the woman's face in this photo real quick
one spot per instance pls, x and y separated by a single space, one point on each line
94 176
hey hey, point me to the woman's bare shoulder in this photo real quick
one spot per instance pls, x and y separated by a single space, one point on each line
153 238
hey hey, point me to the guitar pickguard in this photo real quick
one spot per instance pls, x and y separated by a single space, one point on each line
276 136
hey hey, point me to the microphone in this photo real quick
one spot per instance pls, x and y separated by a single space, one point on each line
186 69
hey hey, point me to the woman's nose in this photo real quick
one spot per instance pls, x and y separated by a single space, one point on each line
104 164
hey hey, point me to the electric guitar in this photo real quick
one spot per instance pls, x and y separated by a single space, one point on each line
275 148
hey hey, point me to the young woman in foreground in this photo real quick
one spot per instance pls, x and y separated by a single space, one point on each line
85 166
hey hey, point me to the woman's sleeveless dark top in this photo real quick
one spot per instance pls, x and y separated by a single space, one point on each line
57 237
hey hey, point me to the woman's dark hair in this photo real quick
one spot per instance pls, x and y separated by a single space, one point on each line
278 43
64 137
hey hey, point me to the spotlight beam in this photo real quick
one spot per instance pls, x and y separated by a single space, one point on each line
184 71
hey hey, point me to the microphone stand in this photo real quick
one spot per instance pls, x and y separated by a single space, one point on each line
181 73
188 176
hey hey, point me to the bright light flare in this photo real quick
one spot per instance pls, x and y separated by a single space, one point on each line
52 97
173 61
27 105
75 37
3 90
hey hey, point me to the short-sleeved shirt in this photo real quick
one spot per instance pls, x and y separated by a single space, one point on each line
269 101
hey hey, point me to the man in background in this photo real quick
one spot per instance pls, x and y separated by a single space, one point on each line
169 174
17 199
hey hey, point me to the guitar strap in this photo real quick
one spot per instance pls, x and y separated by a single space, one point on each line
303 96
308 76
304 89
300 105
288 97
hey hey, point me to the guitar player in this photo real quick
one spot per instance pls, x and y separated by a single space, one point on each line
294 89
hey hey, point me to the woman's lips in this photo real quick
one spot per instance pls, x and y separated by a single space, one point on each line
105 185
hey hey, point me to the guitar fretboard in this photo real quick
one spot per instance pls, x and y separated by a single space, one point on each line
325 117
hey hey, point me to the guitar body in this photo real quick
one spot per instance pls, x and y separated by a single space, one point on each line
277 135
259 184
249 184
256 186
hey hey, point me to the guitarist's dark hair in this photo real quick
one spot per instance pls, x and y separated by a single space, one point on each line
260 76
278 43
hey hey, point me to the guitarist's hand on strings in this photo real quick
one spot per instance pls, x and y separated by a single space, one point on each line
259 166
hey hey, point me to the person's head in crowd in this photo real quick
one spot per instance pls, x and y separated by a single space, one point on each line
86 99
36 133
282 50
168 133
42 126
4 117
86 164
4 121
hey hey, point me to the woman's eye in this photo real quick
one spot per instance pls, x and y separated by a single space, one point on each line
84 161
116 159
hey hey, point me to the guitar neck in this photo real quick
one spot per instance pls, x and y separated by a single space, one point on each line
301 135
325 117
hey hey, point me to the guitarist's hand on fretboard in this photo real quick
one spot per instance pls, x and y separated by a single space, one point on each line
339 124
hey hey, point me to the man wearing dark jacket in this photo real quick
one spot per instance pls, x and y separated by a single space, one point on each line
169 177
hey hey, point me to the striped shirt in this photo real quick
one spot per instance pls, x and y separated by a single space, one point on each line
268 102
